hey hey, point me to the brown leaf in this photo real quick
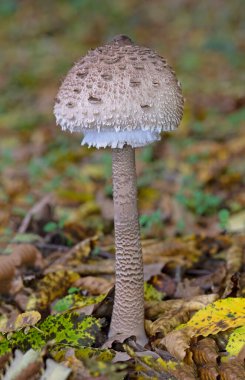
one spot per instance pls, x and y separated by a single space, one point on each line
233 370
7 273
205 351
104 308
163 283
96 268
26 254
75 256
213 244
182 251
172 313
234 259
233 287
94 285
7 268
185 372
153 309
39 215
208 372
151 270
211 280
31 372
187 290
4 360
22 254
177 342
167 323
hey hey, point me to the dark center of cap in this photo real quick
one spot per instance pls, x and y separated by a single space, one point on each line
121 39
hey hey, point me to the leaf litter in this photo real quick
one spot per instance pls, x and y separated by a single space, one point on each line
56 210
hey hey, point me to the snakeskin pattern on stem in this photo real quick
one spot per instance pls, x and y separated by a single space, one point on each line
128 311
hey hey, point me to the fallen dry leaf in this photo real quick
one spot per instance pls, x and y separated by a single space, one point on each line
236 341
7 272
190 184
163 325
41 212
218 316
209 371
29 318
234 259
94 285
171 249
52 286
177 342
74 256
26 254
205 351
233 370
154 309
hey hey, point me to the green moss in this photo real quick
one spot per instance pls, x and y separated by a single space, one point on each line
66 329
151 294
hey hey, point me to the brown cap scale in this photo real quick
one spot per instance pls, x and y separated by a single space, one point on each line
122 96
123 88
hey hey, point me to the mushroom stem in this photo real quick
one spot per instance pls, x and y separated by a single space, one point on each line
128 310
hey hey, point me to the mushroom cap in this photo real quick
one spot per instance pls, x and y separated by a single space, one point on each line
118 94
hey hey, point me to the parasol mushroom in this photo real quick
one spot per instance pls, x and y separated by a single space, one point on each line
122 96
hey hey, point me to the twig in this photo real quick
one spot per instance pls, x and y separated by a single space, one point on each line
36 209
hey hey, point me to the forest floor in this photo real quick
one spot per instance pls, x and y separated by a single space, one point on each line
56 208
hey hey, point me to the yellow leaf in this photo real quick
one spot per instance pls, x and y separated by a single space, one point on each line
88 208
53 285
93 171
167 315
29 318
219 316
146 359
3 323
236 341
237 222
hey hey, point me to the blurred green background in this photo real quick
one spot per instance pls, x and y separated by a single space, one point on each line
199 167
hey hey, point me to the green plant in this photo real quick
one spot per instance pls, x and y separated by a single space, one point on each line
68 329
151 293
200 202
147 154
76 300
223 217
147 221
54 226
